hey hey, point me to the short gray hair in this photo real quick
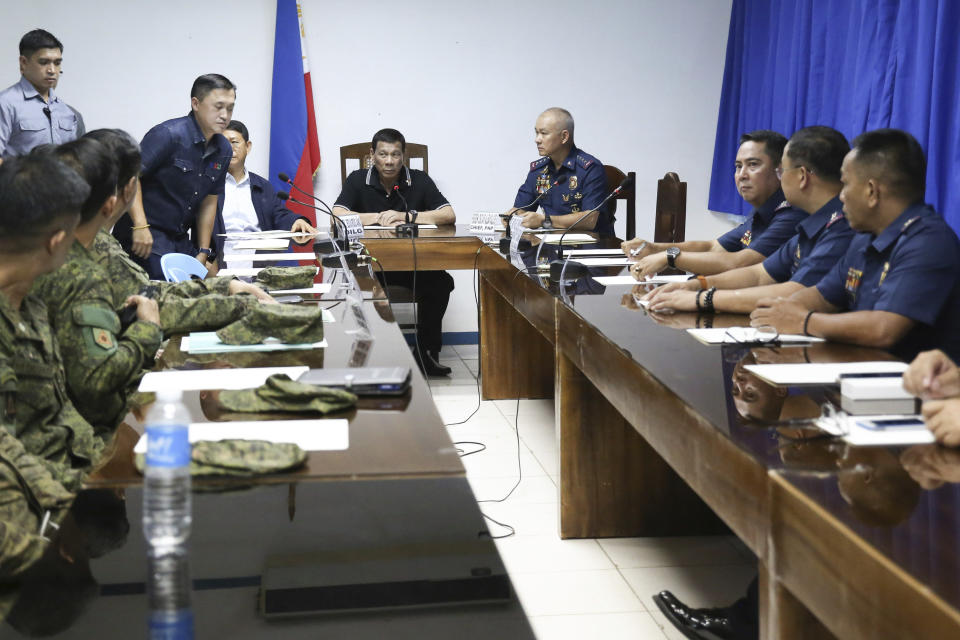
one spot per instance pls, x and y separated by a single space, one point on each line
564 116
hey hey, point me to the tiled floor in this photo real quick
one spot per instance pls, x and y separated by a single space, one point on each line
573 588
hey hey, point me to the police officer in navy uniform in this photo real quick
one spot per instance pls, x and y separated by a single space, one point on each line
772 222
185 162
900 275
565 182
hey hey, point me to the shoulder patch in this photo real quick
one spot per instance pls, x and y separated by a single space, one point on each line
103 338
837 215
783 205
536 164
585 161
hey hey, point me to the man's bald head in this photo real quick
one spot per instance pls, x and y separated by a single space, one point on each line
554 133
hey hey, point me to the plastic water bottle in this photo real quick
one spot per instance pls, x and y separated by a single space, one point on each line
166 482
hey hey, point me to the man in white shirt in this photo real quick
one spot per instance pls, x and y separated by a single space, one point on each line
249 202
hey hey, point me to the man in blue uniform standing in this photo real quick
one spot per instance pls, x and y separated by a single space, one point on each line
771 223
898 286
31 114
185 161
249 202
565 182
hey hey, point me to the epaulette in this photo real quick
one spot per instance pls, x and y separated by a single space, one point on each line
906 225
536 164
837 215
585 161
783 205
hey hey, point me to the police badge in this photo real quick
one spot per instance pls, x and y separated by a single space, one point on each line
573 183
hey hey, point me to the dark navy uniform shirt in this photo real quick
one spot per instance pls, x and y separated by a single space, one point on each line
363 193
821 240
766 228
911 268
580 184
180 169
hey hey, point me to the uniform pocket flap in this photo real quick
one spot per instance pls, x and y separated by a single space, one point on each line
183 164
95 316
33 124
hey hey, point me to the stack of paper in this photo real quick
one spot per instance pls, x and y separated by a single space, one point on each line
391 227
263 243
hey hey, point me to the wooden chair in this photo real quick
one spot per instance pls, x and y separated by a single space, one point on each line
671 217
361 153
614 178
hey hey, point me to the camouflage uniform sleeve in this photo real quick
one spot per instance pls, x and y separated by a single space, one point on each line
196 288
205 313
27 490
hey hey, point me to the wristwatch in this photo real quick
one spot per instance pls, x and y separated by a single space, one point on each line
413 215
210 253
672 254
547 222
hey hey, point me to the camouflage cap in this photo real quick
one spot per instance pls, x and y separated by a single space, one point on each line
290 323
241 458
280 393
287 277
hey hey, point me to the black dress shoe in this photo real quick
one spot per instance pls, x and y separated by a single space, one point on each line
696 624
429 366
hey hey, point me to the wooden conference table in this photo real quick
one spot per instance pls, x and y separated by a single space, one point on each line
391 520
857 542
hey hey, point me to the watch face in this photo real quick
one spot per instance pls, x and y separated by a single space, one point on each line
673 252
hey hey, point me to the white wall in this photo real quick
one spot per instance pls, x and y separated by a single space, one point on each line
641 77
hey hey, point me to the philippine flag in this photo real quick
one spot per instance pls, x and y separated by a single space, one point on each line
293 125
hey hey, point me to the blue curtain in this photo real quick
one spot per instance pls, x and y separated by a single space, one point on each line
855 65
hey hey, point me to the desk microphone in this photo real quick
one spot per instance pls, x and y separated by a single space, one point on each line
556 266
286 178
409 229
337 249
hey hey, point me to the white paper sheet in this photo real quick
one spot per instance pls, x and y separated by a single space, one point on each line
255 235
263 243
317 288
740 335
820 372
309 435
267 257
200 379
554 238
616 281
383 227
622 261
208 342
595 252
847 427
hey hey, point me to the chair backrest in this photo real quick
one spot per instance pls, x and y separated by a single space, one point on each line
361 153
671 218
629 194
178 267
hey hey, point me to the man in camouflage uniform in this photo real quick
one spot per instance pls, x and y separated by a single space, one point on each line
38 215
184 306
103 360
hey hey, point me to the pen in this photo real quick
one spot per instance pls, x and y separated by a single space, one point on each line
635 252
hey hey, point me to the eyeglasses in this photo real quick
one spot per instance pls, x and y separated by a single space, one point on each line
762 335
780 170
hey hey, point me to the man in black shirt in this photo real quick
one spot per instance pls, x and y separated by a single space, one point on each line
385 194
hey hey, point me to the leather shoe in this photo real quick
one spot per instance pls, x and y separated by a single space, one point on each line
696 624
429 366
